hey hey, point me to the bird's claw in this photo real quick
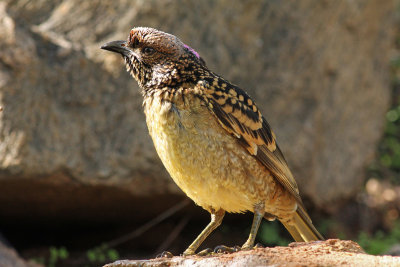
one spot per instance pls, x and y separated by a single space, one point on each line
205 252
218 250
247 247
258 245
226 250
165 254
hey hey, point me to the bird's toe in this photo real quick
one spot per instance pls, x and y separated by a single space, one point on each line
226 250
165 254
205 252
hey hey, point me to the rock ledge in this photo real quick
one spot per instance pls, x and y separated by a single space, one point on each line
333 252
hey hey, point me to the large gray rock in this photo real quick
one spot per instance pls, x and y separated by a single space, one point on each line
72 132
10 258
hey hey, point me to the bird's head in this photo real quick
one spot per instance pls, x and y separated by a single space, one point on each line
157 59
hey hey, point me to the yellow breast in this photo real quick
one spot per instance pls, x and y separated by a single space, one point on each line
204 161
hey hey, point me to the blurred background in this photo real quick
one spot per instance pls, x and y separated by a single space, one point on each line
80 181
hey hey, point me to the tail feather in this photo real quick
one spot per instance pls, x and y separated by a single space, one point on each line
301 227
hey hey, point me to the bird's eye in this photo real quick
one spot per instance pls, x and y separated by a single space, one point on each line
148 50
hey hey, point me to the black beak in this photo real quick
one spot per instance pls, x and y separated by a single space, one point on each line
120 47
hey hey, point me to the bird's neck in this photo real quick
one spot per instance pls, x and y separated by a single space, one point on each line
176 80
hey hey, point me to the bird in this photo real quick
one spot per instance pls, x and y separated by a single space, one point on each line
211 137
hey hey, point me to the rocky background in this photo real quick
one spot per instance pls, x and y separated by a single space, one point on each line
74 148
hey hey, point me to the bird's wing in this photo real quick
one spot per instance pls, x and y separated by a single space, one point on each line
238 114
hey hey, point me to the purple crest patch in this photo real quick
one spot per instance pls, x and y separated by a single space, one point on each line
192 50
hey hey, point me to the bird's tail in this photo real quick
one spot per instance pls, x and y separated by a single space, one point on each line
301 227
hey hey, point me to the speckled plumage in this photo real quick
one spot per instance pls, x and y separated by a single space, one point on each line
210 166
211 137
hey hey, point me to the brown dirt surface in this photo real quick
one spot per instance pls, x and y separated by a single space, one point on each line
332 252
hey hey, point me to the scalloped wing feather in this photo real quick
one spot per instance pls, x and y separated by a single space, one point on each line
237 114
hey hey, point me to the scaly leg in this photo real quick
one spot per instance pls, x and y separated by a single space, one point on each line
216 219
259 210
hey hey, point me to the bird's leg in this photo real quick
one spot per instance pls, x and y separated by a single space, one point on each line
259 210
216 219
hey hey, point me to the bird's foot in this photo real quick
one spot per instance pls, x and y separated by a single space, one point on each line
259 245
218 250
205 252
250 247
165 254
226 250
188 252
